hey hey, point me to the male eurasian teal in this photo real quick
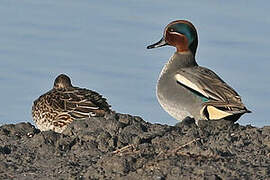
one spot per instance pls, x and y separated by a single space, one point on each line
185 89
57 108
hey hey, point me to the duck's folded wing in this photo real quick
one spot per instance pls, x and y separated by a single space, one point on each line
82 103
219 95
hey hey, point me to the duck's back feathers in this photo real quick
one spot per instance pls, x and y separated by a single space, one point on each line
59 107
84 103
220 100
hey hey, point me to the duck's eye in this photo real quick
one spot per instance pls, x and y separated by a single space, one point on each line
171 29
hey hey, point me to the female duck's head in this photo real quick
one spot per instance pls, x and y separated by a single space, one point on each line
62 81
180 34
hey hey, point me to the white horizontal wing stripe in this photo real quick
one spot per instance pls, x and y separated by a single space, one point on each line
181 79
88 107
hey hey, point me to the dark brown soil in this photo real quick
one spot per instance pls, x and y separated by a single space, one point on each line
126 147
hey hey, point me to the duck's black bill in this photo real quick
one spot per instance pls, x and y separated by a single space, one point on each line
160 43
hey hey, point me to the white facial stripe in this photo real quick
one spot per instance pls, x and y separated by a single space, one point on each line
177 33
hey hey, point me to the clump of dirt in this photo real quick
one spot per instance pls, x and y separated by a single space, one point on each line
121 146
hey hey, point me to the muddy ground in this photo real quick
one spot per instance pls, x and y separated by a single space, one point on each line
126 147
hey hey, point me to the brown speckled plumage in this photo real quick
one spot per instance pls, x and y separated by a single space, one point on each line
57 108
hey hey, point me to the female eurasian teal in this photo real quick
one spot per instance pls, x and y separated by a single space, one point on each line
60 106
185 89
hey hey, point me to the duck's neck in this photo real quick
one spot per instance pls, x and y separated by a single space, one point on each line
180 60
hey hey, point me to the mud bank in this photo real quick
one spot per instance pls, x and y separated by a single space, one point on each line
122 146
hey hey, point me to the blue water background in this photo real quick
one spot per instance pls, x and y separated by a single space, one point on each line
101 45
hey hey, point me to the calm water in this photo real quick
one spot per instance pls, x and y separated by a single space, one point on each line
102 46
